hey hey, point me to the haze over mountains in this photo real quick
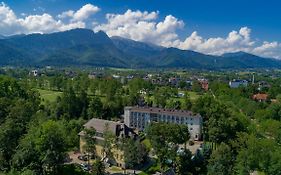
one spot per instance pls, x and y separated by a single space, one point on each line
83 47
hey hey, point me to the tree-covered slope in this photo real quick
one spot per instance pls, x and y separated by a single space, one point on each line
84 47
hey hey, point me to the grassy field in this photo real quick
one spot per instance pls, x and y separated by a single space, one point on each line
48 95
193 95
147 144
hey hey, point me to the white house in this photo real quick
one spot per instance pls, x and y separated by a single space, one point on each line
238 83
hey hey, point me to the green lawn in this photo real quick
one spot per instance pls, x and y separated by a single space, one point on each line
193 95
147 144
48 95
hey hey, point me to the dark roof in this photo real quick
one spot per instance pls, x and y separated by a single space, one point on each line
115 127
169 172
162 110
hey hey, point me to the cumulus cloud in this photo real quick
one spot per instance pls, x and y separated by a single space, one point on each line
269 49
142 26
80 15
235 41
45 23
145 26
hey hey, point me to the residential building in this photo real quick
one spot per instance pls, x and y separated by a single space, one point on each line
260 97
238 83
34 73
116 76
263 85
204 84
119 130
174 81
140 117
94 75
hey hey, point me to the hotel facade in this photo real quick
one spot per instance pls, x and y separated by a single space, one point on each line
140 117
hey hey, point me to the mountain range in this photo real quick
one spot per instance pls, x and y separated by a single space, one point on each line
83 47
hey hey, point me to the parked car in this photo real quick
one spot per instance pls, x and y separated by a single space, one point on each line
83 157
85 167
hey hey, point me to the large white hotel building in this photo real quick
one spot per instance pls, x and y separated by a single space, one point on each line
140 117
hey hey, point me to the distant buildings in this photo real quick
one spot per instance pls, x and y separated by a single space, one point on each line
34 73
238 83
116 76
94 75
140 117
70 73
204 84
174 81
120 130
260 97
263 85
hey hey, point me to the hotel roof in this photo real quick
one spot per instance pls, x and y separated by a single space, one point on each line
100 124
162 111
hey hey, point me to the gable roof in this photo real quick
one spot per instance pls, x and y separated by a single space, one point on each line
100 124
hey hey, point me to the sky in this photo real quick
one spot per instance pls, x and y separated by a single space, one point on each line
208 26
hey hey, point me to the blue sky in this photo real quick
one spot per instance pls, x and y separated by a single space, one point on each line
201 25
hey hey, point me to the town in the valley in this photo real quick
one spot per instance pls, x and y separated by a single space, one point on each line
122 121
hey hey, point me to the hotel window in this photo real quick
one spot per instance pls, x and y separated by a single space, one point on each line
182 120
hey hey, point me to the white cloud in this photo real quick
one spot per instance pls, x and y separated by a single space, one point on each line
269 49
234 42
45 23
145 26
142 26
66 14
80 15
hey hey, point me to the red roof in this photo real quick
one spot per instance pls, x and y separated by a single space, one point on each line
260 96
